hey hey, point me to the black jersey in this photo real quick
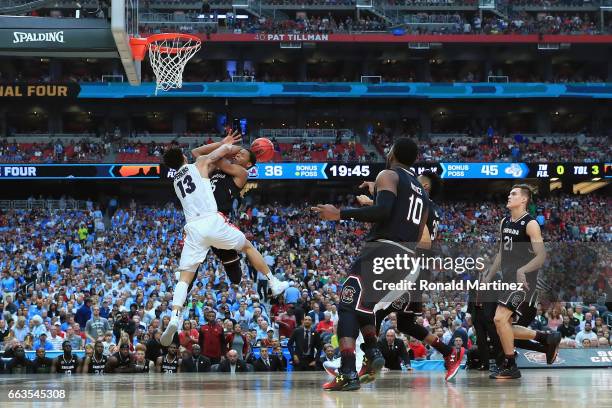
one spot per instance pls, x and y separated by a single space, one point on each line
122 362
433 220
97 366
409 213
42 365
142 367
516 247
69 366
225 191
169 367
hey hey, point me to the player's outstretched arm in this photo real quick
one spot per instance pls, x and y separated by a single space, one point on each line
204 163
232 137
386 187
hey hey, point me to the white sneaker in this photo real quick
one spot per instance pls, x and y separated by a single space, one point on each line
331 367
168 334
278 287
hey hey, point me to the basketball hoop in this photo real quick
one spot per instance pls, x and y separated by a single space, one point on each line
168 54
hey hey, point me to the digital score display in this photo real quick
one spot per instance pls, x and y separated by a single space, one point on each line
313 171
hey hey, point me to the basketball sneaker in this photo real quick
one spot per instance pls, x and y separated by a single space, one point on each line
553 339
452 363
331 367
373 362
343 382
277 287
168 334
506 372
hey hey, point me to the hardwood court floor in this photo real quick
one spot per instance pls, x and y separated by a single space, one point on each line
556 388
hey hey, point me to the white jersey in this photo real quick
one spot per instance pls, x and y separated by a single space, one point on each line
195 193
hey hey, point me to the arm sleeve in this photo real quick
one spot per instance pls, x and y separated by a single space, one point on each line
378 212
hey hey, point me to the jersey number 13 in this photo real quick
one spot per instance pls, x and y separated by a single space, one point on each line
186 185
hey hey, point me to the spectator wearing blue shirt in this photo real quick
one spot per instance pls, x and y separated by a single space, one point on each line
292 294
83 314
8 283
43 343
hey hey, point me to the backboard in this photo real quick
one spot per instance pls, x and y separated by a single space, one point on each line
124 24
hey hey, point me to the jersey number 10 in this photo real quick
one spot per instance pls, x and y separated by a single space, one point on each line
415 211
189 186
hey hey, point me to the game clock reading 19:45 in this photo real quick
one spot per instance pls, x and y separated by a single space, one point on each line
340 170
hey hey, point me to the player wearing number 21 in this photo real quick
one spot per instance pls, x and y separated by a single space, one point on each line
521 255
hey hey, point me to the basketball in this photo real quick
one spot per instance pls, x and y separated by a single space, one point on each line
263 149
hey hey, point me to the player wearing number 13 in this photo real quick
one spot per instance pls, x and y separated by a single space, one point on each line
205 227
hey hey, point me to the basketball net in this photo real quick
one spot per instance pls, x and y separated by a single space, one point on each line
168 58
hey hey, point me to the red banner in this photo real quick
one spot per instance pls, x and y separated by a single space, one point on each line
390 38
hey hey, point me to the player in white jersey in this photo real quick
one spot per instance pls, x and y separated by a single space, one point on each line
205 227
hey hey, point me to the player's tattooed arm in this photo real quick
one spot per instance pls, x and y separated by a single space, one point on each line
232 137
488 277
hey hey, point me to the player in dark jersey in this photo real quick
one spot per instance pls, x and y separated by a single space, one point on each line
227 181
169 363
67 363
398 215
141 363
122 361
96 364
409 305
521 255
19 364
41 364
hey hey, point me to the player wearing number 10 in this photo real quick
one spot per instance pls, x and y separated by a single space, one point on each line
205 227
399 215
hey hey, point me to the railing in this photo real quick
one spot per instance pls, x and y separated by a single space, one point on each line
21 6
498 78
69 204
431 19
371 79
177 17
112 78
306 133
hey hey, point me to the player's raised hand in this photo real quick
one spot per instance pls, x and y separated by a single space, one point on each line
327 212
364 200
369 185
233 137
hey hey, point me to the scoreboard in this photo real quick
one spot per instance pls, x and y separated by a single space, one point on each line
344 171
313 171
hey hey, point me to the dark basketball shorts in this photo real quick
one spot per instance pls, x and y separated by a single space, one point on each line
521 302
364 288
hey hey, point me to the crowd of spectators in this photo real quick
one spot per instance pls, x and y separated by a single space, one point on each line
467 149
112 281
509 149
309 151
82 151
